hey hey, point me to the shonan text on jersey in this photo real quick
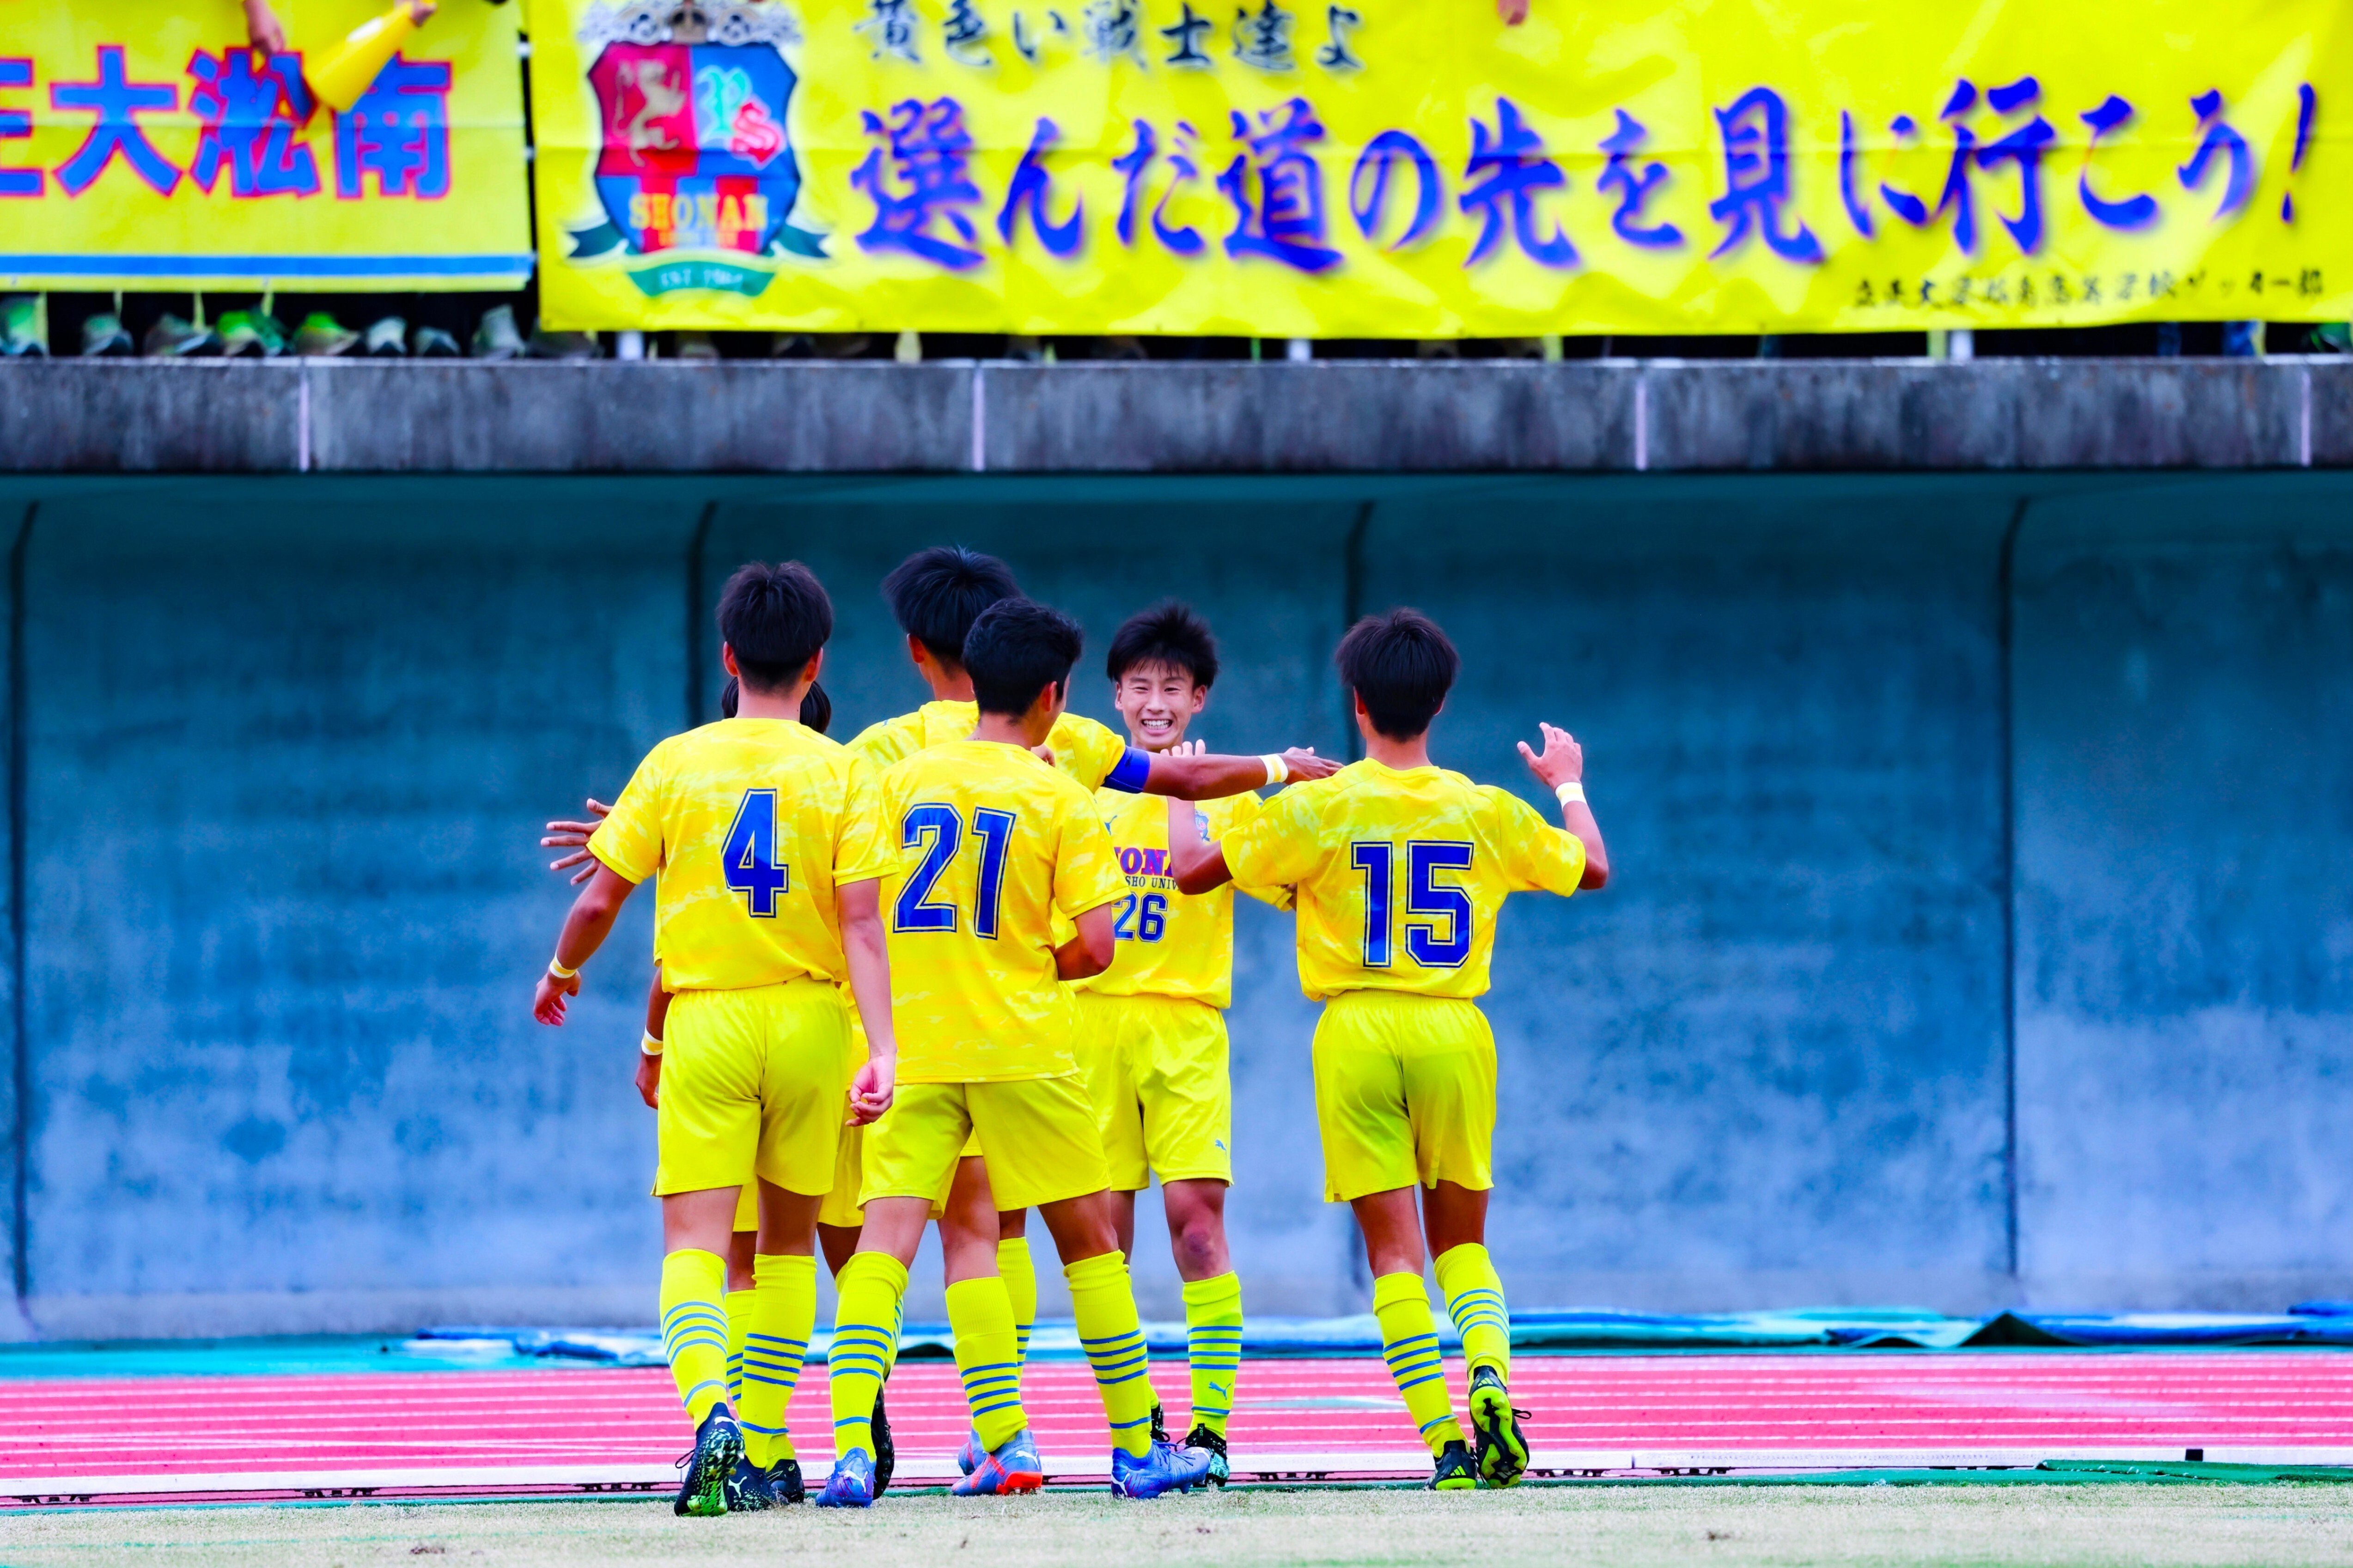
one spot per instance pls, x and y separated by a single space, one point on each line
751 823
1171 944
985 844
1400 875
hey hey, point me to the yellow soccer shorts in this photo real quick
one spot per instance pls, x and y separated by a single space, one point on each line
1405 1093
1156 1069
1043 1144
754 1073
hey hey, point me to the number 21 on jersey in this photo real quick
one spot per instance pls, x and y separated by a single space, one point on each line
940 830
1441 940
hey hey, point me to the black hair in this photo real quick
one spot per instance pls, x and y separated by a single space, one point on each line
937 594
1169 635
1017 649
817 708
775 618
1400 666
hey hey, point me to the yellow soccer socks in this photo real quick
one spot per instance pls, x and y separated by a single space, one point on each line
783 1314
694 1328
1475 1300
982 1320
865 1331
1020 1276
1213 1341
1104 1305
1409 1344
738 1305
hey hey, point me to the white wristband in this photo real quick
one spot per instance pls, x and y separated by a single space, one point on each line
651 1045
1573 790
555 967
1277 770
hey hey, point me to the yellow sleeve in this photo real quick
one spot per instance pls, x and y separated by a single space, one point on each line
1086 750
1538 857
858 849
629 841
1219 818
886 740
1279 846
1086 866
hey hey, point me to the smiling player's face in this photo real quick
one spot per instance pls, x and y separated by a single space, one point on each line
1157 702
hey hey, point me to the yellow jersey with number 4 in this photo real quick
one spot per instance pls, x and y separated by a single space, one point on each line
1400 875
1085 750
750 825
985 844
1171 944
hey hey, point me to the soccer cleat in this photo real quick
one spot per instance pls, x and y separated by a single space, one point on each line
1502 1447
320 336
172 338
386 338
1456 1472
886 1453
24 327
1166 1468
969 1456
851 1485
750 1489
102 337
718 1444
1159 1426
1013 1468
1214 1445
432 342
251 334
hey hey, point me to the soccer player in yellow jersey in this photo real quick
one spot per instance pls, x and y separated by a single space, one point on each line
764 837
1152 1030
993 846
1400 869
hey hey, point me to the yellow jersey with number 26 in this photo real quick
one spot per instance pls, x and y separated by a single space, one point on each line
985 844
1400 875
751 824
1171 944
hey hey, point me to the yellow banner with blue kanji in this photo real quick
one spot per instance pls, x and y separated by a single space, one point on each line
147 144
1420 168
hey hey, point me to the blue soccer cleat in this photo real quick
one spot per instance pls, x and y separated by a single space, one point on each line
1013 1468
718 1444
851 1485
970 1457
1164 1468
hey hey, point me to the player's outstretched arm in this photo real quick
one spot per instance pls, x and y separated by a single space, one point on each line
1214 777
585 931
1560 765
869 959
1197 867
574 836
1089 952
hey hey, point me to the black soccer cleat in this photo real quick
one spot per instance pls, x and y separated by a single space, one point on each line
1159 1426
749 1488
718 1444
886 1456
784 1483
1214 1445
1455 1472
1502 1447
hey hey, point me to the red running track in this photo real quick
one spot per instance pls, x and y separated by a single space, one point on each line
569 1430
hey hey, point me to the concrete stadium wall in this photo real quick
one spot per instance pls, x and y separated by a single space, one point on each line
1979 933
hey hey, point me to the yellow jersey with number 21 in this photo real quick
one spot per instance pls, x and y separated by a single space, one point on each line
985 844
1400 875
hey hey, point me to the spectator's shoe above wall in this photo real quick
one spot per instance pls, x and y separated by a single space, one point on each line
250 334
496 337
24 327
432 342
174 338
320 336
102 337
545 344
386 338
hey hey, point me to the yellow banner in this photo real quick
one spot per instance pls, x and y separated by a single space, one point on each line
1279 168
144 145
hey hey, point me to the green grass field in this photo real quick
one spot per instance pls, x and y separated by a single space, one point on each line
2124 1524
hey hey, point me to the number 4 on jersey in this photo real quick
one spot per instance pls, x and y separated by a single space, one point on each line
749 855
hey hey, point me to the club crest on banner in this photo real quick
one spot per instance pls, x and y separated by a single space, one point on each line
695 169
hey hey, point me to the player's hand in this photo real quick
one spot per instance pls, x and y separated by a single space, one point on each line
872 1090
1561 761
1044 753
263 31
1187 749
547 1002
650 1078
574 835
1305 764
1513 12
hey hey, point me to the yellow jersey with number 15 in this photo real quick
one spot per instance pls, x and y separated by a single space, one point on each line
1087 751
750 824
1400 875
1171 944
985 844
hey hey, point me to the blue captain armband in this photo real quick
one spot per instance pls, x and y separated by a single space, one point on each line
1132 769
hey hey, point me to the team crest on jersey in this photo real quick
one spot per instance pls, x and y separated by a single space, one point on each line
695 170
